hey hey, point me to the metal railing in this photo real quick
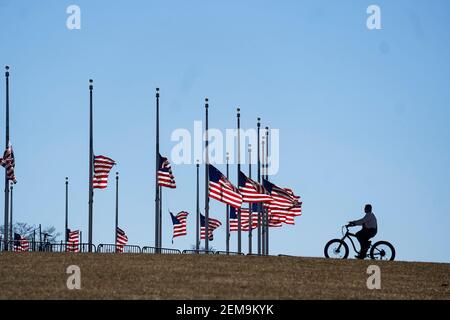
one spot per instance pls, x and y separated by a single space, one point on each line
198 252
230 253
148 249
112 248
67 247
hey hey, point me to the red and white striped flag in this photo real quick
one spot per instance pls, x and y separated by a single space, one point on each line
122 240
221 189
73 241
213 225
245 218
21 244
102 167
9 164
179 224
285 205
252 191
165 175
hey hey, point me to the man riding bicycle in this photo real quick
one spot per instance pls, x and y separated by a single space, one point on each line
368 231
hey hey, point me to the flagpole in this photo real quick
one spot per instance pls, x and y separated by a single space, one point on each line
6 175
228 210
91 163
263 213
238 170
11 213
67 210
157 245
160 217
259 181
206 178
197 229
117 210
250 218
267 178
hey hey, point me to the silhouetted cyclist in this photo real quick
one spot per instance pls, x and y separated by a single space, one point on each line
368 231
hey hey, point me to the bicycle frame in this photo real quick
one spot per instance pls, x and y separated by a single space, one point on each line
349 235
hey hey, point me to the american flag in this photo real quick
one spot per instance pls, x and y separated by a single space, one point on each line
179 224
122 240
285 205
102 167
20 243
165 175
245 218
9 163
221 189
73 241
251 190
213 225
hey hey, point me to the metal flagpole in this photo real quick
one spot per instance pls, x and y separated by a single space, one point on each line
197 216
160 217
157 244
263 211
238 170
5 226
259 181
250 220
206 178
228 210
91 163
11 214
67 209
117 209
267 178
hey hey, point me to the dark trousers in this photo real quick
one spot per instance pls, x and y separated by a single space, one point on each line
363 237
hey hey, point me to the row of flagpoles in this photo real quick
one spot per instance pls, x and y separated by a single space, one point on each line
268 204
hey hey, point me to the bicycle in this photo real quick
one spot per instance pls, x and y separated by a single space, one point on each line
338 248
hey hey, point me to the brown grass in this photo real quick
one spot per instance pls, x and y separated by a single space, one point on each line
146 276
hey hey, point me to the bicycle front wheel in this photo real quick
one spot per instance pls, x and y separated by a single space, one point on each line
382 250
336 249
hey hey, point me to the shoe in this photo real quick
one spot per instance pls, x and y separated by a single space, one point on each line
359 257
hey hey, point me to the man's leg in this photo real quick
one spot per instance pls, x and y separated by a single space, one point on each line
363 238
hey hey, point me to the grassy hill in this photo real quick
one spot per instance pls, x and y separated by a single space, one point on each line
146 276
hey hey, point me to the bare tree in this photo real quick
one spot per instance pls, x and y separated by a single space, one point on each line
26 230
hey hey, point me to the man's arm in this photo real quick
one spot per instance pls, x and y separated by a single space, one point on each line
361 221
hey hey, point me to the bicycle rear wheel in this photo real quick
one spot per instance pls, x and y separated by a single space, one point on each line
382 250
336 249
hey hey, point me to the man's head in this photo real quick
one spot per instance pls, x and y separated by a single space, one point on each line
368 208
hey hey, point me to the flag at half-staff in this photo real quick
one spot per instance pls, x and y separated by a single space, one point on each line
251 190
9 164
245 218
285 205
213 225
221 189
121 241
179 224
20 243
102 167
165 175
73 241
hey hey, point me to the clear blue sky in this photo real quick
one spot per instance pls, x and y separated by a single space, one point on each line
363 115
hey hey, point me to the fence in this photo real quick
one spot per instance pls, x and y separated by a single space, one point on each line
112 248
65 247
198 252
160 250
230 253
